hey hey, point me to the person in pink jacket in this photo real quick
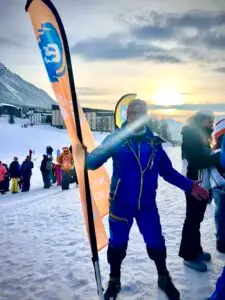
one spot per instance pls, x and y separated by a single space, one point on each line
58 174
3 172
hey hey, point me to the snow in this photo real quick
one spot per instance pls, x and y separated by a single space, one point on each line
5 104
44 252
16 91
11 89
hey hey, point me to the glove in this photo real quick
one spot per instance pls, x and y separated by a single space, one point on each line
199 192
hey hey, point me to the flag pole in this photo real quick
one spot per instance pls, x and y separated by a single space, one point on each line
92 233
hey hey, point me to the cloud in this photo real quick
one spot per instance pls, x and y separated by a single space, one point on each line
118 47
220 70
190 35
88 91
6 42
214 40
200 20
216 107
164 58
152 32
165 25
95 102
111 47
161 38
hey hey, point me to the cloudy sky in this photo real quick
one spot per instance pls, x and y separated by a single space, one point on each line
168 52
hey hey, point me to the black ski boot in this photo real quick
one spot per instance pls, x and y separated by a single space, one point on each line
166 285
113 289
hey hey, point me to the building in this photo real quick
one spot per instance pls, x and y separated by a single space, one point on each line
10 110
98 119
57 119
38 116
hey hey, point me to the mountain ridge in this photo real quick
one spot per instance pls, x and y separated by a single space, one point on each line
16 91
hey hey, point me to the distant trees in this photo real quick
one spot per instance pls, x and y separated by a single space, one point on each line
161 128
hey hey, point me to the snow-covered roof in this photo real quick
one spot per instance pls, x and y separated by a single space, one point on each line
11 105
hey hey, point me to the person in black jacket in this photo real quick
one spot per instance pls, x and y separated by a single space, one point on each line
26 173
14 174
197 152
45 172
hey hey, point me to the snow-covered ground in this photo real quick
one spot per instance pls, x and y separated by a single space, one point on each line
44 252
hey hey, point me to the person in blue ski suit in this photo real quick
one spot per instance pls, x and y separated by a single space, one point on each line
219 293
219 190
138 159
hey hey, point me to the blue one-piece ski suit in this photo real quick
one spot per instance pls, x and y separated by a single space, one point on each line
219 293
137 162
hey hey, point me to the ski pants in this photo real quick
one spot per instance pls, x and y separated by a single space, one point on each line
26 183
58 176
65 180
190 247
46 179
121 219
15 185
51 176
2 186
220 288
219 199
7 183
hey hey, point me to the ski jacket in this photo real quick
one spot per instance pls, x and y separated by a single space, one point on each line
49 165
65 160
26 168
137 162
43 167
3 172
196 152
14 170
219 147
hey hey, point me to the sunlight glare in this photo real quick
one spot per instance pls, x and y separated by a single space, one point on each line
168 96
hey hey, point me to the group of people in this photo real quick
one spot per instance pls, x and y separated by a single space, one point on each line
62 171
19 175
138 159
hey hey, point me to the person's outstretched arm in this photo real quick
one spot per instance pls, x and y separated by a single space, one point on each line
172 176
101 154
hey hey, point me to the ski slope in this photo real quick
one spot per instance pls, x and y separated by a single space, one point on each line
44 252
